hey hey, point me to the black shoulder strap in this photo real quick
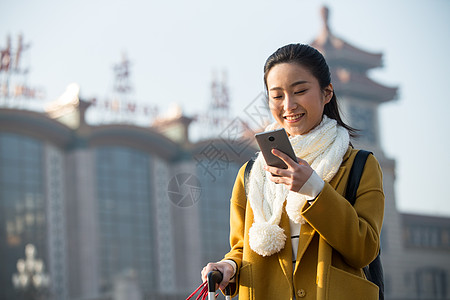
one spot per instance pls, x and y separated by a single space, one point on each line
247 170
355 175
374 271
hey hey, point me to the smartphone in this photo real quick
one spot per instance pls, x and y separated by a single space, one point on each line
275 139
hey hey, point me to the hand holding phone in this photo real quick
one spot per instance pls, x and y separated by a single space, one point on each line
275 139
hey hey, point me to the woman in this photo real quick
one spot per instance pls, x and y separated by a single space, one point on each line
330 240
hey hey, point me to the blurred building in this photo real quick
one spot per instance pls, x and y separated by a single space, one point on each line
120 211
101 202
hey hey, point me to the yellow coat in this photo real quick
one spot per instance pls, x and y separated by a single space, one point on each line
337 241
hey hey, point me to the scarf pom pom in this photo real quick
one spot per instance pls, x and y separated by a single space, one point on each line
266 239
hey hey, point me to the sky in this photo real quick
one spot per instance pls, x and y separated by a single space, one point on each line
175 46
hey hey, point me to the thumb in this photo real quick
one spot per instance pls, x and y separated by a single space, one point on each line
226 278
301 161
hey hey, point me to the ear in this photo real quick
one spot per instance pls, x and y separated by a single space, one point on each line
328 93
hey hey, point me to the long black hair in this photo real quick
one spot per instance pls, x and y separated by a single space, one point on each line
314 61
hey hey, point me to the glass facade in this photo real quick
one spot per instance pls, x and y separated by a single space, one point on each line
215 211
22 204
124 215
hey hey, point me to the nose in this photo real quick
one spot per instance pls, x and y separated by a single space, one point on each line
289 103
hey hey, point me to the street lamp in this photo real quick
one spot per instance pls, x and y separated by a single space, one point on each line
30 277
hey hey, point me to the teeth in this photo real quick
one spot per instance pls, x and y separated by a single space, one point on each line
290 118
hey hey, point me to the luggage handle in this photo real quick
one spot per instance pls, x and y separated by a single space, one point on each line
215 277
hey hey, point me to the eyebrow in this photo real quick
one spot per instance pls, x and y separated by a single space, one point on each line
292 85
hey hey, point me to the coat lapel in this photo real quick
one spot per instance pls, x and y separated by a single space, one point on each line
337 178
306 235
285 255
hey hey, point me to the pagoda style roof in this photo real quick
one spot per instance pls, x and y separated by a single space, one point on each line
349 66
351 83
338 51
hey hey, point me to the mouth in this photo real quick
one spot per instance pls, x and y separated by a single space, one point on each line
293 118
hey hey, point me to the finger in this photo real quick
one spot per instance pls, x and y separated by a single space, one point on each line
203 275
209 267
275 170
277 179
223 284
227 272
284 157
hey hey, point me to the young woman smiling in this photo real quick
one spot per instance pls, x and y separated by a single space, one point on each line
330 240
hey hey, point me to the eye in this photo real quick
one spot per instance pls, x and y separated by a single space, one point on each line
277 97
300 92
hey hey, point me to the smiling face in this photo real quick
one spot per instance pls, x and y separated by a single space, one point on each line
295 97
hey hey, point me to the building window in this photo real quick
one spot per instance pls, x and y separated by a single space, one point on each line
22 203
445 238
124 215
423 236
431 283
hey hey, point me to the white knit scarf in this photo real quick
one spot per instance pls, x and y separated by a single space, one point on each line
323 148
